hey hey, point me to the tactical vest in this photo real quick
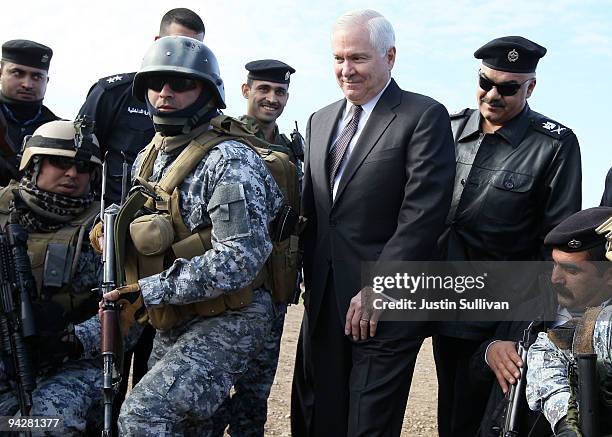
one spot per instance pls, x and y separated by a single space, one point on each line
576 336
156 239
54 257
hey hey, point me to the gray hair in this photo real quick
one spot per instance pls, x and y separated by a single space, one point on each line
382 36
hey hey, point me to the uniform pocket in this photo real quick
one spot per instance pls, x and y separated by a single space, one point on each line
509 196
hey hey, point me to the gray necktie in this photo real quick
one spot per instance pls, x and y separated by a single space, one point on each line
336 155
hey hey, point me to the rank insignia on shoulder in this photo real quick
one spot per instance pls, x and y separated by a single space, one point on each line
109 82
553 127
550 127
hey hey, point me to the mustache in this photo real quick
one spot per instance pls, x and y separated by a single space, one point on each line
272 105
493 102
561 290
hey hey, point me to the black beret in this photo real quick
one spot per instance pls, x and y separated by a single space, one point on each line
577 232
29 53
513 54
269 70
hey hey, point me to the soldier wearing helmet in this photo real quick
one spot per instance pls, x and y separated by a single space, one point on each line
54 203
196 247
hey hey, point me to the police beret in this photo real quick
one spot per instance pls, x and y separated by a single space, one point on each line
270 70
513 54
29 53
577 232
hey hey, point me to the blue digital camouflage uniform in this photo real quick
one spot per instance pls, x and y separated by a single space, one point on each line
194 365
73 390
246 411
548 387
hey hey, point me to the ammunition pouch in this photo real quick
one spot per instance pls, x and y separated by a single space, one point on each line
152 234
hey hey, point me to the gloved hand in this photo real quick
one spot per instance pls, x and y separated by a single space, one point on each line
55 348
95 237
131 306
564 429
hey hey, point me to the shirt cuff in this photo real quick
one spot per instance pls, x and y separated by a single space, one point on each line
151 289
555 408
487 351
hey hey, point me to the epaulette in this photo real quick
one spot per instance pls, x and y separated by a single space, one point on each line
549 127
115 80
459 114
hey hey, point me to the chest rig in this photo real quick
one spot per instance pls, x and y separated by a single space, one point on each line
148 244
54 258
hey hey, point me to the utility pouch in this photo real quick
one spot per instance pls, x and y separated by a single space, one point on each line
282 268
284 224
152 234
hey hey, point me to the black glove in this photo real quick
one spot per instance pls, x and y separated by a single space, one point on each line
564 429
55 348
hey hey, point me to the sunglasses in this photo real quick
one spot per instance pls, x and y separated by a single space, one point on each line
65 163
504 89
178 84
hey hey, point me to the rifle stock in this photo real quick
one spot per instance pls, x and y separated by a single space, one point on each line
17 326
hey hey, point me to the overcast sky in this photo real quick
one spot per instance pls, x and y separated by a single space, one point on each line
435 43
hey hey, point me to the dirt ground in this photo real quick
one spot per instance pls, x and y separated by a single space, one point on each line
420 418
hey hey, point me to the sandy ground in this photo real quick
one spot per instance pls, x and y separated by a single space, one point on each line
420 418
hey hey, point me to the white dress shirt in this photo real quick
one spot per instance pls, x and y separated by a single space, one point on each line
346 117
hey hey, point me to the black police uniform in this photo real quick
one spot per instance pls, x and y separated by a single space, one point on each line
511 188
122 125
20 118
16 130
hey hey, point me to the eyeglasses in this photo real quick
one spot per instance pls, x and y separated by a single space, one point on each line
504 89
67 163
178 84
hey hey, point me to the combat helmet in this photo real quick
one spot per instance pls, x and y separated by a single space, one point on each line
180 56
72 139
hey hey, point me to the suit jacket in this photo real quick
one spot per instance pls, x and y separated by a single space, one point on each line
392 199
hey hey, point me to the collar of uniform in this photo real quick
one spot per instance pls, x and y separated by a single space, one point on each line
367 107
253 125
513 131
169 144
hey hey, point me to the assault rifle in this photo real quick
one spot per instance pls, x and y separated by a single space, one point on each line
516 394
297 143
17 326
112 347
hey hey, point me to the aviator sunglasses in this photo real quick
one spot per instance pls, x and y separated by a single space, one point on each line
66 163
504 89
178 84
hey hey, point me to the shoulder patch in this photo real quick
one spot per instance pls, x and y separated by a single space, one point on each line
115 80
459 114
550 127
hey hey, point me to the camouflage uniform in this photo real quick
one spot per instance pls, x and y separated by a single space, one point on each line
246 411
194 364
548 366
72 390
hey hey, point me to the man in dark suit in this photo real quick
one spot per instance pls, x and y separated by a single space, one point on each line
377 187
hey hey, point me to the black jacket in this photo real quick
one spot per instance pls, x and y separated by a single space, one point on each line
122 125
511 188
13 134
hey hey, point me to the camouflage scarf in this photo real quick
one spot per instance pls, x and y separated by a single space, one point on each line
46 211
